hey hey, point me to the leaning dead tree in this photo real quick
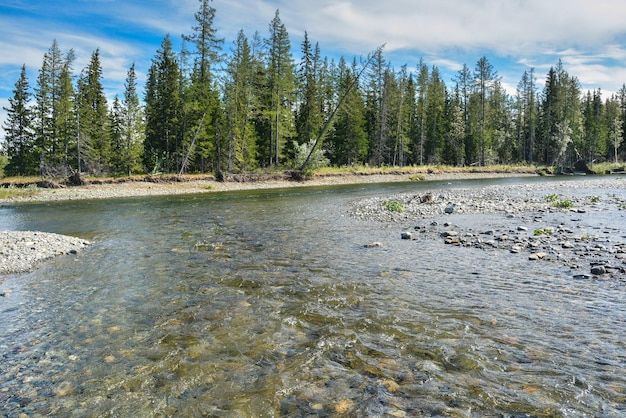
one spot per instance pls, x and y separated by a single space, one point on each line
183 166
329 121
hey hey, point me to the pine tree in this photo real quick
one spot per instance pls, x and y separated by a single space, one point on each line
163 110
201 141
375 109
95 149
455 140
65 115
116 135
420 137
435 107
52 116
133 127
526 116
19 137
464 88
347 143
281 89
560 111
484 78
309 118
242 101
614 125
502 148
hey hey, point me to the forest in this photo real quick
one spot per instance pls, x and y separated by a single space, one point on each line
212 109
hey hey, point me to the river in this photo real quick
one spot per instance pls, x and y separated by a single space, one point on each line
268 303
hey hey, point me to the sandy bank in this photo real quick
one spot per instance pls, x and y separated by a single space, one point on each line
149 188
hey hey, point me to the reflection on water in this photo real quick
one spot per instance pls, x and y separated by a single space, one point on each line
268 304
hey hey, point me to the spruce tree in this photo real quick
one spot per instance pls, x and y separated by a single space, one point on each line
132 120
347 142
242 101
19 137
65 115
484 78
50 114
309 117
281 89
374 114
95 149
201 142
163 110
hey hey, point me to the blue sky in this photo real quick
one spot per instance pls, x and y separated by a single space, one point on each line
515 35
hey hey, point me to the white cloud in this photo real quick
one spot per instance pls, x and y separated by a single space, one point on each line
515 35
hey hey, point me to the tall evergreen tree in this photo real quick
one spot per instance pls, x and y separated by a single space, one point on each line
201 100
65 115
163 109
464 82
526 123
614 124
502 136
281 89
422 87
309 116
19 137
375 109
347 142
455 139
242 101
484 78
435 107
560 112
127 128
53 119
93 116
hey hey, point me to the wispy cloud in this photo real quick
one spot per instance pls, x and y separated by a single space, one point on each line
589 37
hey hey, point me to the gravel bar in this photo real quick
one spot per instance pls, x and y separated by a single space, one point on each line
20 251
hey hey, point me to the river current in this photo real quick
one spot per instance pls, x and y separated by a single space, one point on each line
269 303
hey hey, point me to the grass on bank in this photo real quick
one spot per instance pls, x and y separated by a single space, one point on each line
414 173
426 169
13 191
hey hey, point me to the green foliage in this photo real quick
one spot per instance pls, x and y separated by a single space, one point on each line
595 199
543 231
206 113
3 163
12 192
316 161
393 206
552 198
563 204
557 202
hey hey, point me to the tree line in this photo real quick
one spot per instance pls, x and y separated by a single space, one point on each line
254 106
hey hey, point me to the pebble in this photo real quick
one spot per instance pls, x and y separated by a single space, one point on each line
20 251
564 243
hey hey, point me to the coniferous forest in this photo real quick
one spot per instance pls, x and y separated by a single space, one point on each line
230 109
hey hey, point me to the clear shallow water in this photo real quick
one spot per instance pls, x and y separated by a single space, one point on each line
266 303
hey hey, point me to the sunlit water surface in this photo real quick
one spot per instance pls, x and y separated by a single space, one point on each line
267 303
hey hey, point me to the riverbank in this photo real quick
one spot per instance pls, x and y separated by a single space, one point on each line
21 250
578 224
162 186
432 214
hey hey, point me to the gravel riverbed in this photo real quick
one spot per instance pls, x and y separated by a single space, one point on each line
518 209
21 250
556 222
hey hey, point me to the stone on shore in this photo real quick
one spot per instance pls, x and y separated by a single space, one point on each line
20 251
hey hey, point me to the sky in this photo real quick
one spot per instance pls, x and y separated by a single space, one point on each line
589 37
